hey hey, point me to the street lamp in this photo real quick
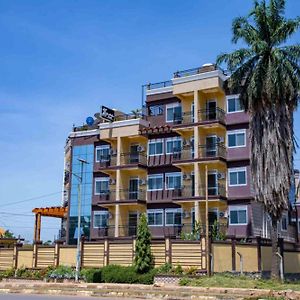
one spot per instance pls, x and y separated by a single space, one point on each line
78 257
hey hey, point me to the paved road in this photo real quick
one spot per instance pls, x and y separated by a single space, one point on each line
43 297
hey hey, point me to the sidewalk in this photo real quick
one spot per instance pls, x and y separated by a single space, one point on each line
137 291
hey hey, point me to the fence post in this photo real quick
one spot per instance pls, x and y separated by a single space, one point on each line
57 253
15 255
168 248
35 254
258 241
233 253
106 253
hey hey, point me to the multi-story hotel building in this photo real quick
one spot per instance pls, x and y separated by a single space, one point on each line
156 162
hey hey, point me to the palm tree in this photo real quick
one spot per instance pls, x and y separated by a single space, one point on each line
266 74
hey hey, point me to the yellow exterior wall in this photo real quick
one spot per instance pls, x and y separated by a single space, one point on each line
222 257
292 262
266 258
25 258
249 254
67 256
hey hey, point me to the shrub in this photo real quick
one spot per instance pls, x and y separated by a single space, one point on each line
91 275
120 274
178 270
143 257
8 273
164 269
184 281
61 272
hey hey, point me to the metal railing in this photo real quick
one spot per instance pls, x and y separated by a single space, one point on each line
128 194
157 85
218 190
133 158
123 231
215 114
186 153
198 70
211 151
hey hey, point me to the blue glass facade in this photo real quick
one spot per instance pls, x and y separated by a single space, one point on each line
85 152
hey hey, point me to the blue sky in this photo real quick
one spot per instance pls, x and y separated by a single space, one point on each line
61 60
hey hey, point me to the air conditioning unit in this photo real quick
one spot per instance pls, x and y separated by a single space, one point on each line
140 149
186 142
110 215
186 214
142 181
221 175
112 181
220 139
186 176
113 151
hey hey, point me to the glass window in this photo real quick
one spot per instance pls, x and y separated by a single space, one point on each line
174 112
238 215
155 182
155 110
173 180
236 139
102 153
155 147
173 216
100 219
284 222
233 104
155 217
237 176
173 145
101 186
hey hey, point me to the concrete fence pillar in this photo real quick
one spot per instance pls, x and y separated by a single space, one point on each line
168 250
35 257
233 253
82 239
258 242
133 249
106 253
15 254
57 252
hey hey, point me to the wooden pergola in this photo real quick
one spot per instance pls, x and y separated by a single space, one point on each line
54 212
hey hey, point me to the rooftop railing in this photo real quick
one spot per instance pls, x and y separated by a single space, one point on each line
158 85
198 70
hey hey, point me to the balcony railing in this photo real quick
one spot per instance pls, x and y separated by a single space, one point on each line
216 114
204 115
188 191
127 194
158 85
133 158
211 151
186 153
198 70
214 190
124 231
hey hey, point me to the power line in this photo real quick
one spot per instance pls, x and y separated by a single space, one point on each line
30 199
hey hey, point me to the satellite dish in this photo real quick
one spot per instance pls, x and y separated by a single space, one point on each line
89 121
97 116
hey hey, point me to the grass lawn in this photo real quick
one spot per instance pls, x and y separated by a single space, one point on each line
231 281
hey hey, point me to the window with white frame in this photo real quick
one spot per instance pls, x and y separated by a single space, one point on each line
155 110
155 182
155 217
234 104
173 216
173 180
238 215
173 145
102 186
100 219
237 176
102 153
284 222
174 112
236 138
155 147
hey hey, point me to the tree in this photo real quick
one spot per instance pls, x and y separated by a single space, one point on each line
143 256
136 113
266 74
8 234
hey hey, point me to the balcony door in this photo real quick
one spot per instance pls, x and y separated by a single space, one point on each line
133 188
211 108
212 180
211 146
132 223
134 154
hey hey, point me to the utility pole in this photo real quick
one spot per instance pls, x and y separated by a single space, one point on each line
78 257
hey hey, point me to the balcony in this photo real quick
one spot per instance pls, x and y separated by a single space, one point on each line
204 116
132 195
212 151
135 158
187 192
205 152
